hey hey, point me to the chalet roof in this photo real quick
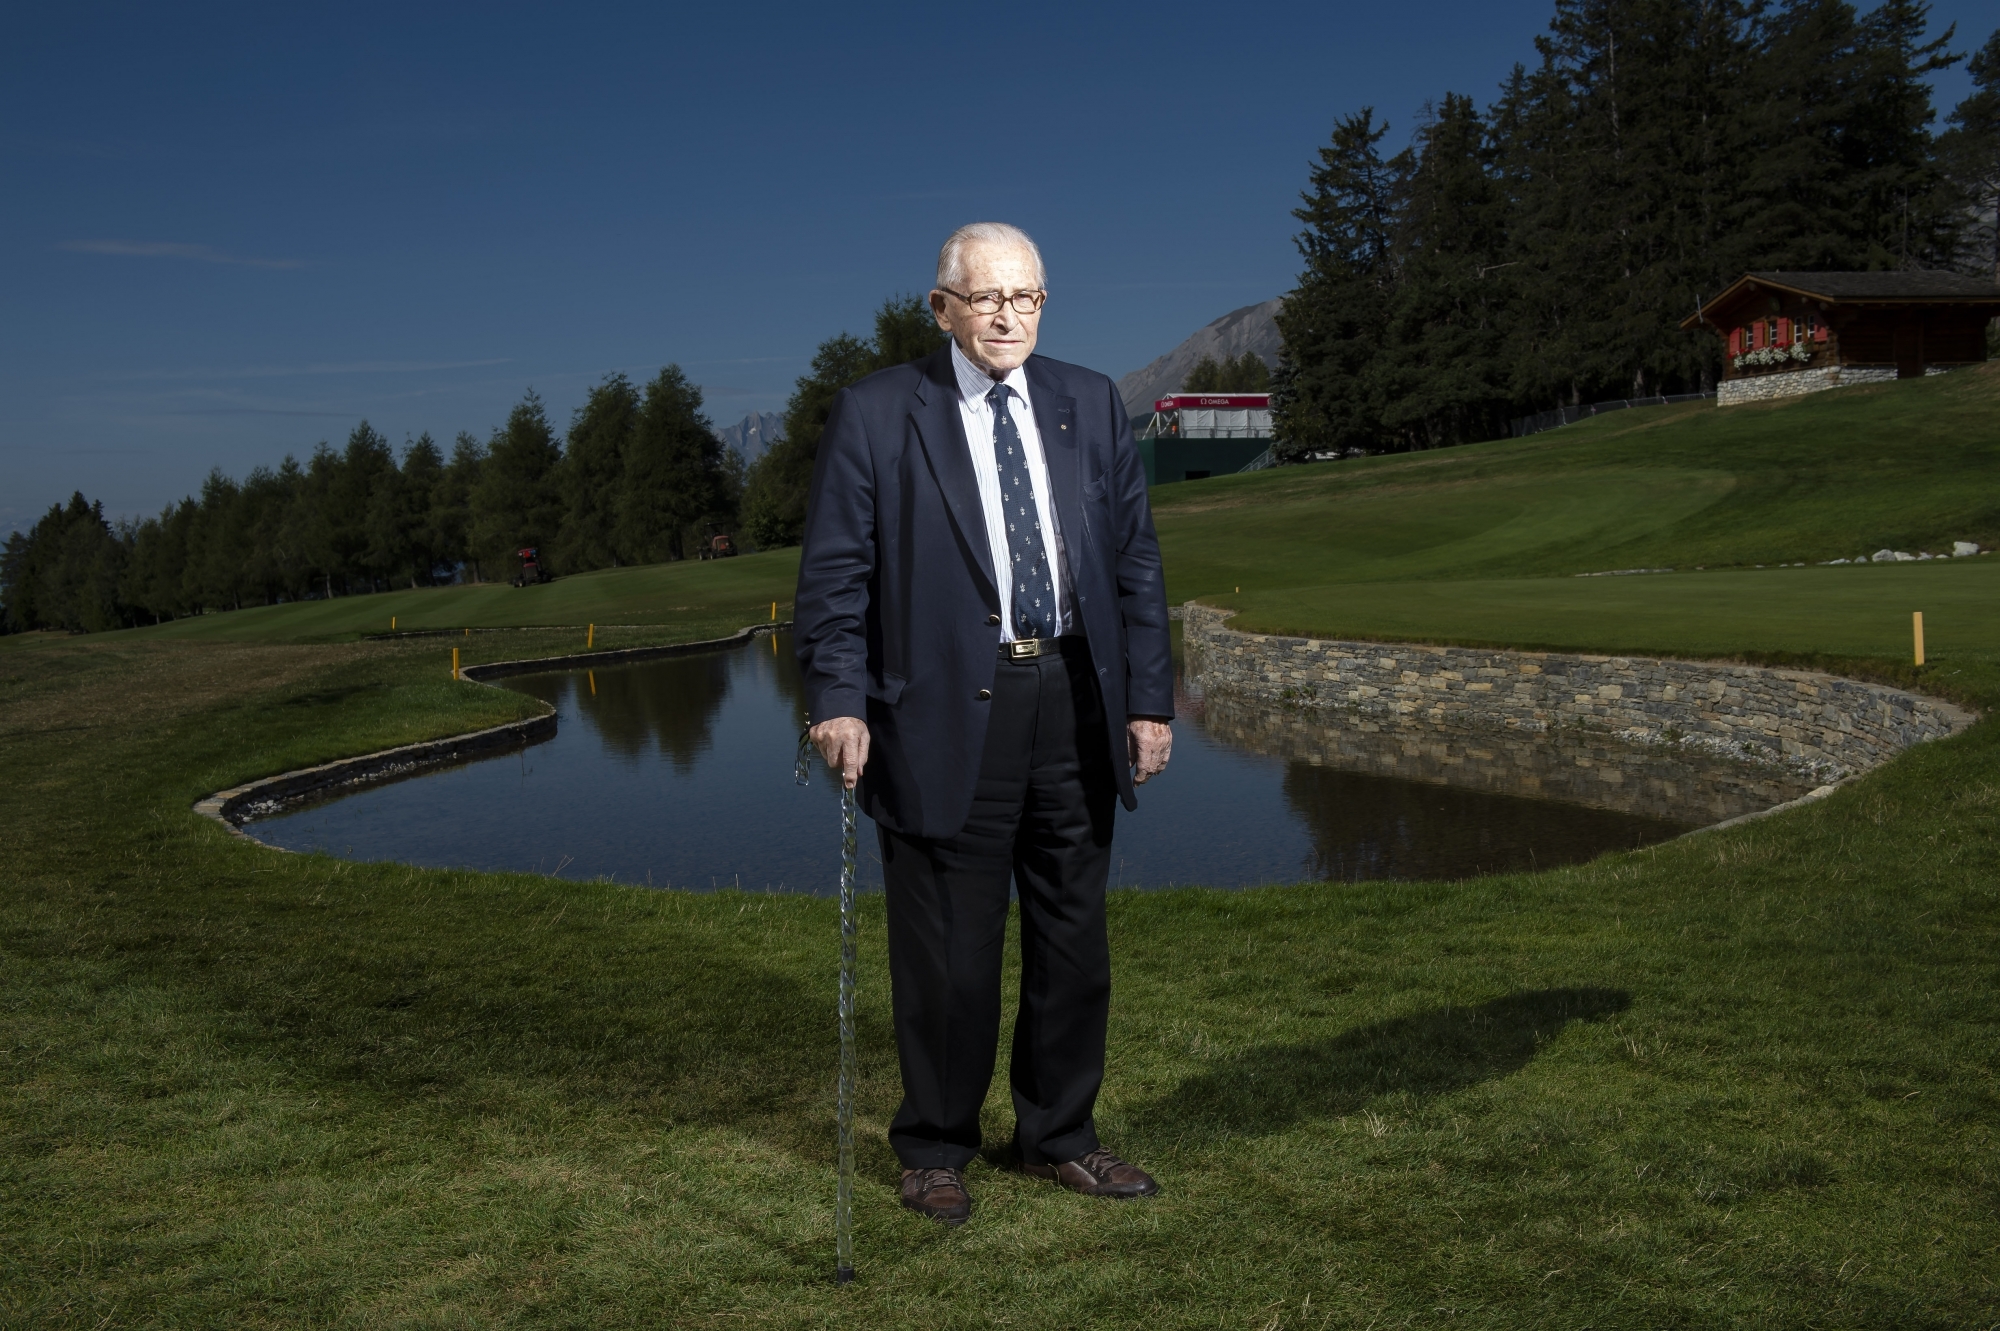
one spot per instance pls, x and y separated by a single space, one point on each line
1908 284
1913 284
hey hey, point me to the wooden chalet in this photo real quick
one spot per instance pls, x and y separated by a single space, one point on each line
1790 333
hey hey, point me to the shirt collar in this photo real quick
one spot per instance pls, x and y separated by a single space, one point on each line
974 383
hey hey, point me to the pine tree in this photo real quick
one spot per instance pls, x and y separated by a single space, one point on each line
153 576
673 479
451 505
1970 155
365 465
1443 380
66 571
1908 215
1204 377
422 474
515 503
273 570
1327 391
600 436
400 541
218 554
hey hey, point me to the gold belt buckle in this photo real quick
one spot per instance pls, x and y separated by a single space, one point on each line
1022 649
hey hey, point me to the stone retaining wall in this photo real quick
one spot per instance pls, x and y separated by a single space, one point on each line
1819 727
1571 766
240 804
273 794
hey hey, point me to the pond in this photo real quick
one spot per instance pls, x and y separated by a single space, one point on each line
678 773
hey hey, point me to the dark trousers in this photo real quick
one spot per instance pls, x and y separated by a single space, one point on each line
1041 816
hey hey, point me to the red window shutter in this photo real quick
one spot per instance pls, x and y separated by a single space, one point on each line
1757 336
1736 341
1819 332
1784 332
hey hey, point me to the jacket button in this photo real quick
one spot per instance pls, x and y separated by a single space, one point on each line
993 619
986 695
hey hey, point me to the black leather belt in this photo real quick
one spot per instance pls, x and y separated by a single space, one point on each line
1027 649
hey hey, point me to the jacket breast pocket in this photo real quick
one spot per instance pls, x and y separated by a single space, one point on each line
1094 489
886 689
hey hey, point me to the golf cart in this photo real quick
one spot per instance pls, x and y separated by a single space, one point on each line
531 573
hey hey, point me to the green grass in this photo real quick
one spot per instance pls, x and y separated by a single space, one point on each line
1803 611
1747 1079
1906 466
719 592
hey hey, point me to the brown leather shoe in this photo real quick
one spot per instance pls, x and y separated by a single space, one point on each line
1098 1174
939 1194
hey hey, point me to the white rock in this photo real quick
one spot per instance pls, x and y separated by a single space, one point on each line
1883 556
1964 548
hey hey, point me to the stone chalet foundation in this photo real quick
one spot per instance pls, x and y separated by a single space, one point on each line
1792 383
1810 727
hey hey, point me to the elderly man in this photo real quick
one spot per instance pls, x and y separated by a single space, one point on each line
982 628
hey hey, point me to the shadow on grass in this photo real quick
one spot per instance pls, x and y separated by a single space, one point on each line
1430 1053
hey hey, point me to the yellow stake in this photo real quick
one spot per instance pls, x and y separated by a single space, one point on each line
454 663
392 623
468 633
1917 626
590 640
774 612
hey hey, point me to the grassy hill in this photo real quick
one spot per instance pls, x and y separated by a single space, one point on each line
1909 466
1483 544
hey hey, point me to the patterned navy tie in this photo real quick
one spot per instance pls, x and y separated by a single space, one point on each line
1034 587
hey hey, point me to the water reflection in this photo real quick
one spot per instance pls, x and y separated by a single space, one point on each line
667 707
1366 827
1656 783
677 772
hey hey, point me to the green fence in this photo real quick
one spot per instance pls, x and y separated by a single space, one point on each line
1170 459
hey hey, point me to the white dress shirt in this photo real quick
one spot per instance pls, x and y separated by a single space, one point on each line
977 413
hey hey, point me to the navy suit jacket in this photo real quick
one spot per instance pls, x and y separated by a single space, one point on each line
896 580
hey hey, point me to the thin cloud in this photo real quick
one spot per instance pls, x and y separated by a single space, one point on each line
167 249
293 371
253 411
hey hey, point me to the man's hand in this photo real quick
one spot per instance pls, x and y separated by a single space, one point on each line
843 745
1149 744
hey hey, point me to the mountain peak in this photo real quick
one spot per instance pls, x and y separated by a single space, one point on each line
749 437
1253 328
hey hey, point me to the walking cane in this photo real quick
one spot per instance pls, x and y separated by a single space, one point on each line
843 1197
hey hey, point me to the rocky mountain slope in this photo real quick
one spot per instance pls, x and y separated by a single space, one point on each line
749 437
1252 328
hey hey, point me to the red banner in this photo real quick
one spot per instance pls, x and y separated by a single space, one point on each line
1177 401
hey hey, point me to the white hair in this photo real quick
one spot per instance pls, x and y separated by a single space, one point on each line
951 259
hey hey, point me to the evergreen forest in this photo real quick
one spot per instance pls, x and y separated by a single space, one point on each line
1545 250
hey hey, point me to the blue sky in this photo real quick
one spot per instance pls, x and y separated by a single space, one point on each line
231 232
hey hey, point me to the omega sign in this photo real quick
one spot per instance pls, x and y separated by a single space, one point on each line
1236 401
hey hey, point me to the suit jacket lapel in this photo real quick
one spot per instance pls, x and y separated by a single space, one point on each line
942 432
1055 417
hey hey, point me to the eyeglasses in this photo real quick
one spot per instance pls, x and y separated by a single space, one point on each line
989 302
